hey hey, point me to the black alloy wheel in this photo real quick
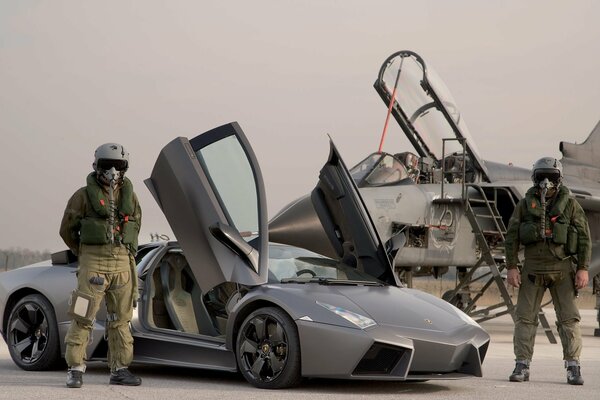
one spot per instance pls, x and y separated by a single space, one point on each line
268 349
32 334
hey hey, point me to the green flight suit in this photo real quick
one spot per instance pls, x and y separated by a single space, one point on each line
113 262
549 265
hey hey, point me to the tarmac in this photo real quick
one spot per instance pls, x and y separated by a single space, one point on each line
548 378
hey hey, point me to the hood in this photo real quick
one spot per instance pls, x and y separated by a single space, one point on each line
406 308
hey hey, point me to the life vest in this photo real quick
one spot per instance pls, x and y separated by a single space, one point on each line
95 227
557 220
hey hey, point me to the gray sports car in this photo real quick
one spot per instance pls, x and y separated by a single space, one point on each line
224 298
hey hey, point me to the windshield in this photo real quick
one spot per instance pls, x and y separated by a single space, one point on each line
379 169
419 106
293 263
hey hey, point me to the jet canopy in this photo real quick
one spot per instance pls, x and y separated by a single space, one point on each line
425 110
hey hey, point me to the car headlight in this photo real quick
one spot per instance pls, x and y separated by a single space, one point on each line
359 320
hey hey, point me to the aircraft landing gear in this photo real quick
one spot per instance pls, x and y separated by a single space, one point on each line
460 297
459 301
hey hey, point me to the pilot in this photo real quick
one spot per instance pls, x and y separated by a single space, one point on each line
554 230
101 225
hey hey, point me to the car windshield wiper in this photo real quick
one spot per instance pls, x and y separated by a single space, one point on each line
331 281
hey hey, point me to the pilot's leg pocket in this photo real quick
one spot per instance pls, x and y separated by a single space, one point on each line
82 307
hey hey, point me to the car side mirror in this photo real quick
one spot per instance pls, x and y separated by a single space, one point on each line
231 238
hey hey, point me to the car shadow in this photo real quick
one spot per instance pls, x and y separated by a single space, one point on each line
334 386
236 382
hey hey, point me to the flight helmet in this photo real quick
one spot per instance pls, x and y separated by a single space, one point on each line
111 160
547 168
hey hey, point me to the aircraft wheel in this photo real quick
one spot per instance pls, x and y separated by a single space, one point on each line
32 334
451 298
268 349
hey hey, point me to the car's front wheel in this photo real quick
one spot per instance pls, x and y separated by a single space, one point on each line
32 334
268 349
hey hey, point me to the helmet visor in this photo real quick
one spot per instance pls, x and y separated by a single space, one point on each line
106 164
552 175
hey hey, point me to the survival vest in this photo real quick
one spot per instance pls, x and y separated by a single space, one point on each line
557 220
95 227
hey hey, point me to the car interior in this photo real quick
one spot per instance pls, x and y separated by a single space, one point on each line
175 301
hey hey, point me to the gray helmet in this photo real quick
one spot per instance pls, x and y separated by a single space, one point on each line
111 155
547 167
111 160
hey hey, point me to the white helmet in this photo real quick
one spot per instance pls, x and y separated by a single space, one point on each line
111 160
547 168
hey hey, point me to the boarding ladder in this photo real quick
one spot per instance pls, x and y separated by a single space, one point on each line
481 209
489 230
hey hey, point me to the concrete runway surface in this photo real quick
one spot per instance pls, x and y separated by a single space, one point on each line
548 379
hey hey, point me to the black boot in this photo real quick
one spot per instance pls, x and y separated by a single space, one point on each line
520 374
574 375
74 378
124 377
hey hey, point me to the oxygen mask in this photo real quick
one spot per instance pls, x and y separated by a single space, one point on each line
112 177
547 181
547 187
111 172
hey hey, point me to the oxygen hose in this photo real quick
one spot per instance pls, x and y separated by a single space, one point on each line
543 202
544 185
112 177
111 212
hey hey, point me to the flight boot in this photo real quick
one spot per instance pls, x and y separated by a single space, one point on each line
124 377
74 378
520 374
574 374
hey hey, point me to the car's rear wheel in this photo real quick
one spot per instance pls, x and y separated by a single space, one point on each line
32 334
268 349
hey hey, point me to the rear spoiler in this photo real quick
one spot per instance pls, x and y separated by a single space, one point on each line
63 257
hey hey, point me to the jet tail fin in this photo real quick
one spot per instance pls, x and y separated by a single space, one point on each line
587 152
581 164
581 170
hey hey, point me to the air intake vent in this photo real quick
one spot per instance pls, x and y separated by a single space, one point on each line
380 359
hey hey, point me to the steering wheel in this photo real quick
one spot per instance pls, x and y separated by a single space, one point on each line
306 271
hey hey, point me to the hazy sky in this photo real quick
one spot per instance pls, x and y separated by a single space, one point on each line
76 74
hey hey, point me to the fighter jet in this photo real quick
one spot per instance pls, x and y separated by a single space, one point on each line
441 205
